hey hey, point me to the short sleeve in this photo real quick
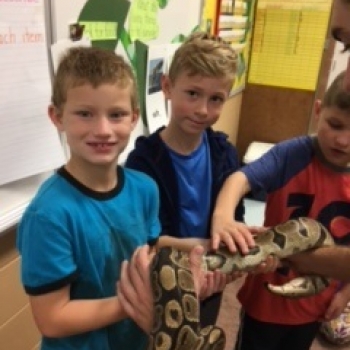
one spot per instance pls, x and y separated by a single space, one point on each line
47 256
282 162
153 212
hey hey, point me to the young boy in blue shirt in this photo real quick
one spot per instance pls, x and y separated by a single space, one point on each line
91 214
187 159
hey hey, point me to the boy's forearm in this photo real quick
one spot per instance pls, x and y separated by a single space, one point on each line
184 244
77 316
331 262
233 190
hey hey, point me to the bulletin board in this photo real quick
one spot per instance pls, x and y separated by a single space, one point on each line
128 27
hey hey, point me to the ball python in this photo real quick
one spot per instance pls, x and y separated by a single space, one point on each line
176 308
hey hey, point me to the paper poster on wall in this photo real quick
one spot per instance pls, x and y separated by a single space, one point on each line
288 40
155 102
29 143
143 24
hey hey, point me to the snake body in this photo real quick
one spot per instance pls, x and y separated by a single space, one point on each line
176 308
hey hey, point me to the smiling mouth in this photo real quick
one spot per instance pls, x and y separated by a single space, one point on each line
101 145
338 152
196 122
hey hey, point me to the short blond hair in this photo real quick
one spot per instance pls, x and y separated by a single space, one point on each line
205 55
95 66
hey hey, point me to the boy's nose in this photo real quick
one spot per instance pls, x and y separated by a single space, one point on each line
343 139
347 77
102 126
202 108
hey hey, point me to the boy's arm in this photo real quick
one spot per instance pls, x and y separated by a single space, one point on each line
224 228
57 316
331 262
184 244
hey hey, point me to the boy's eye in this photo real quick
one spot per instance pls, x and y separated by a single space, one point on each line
119 114
83 114
217 99
335 126
192 93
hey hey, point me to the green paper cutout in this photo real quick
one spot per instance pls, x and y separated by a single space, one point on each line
143 24
106 11
100 30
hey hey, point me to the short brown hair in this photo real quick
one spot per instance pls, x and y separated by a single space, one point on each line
205 55
95 66
337 95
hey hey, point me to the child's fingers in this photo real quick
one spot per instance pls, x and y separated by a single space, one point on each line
126 295
238 237
227 239
215 242
196 259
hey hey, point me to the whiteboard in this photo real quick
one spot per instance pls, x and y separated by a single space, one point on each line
15 197
29 142
30 146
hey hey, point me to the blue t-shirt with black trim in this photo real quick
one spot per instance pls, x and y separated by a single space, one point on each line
71 235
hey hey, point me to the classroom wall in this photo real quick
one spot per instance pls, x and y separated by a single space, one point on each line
229 118
273 114
17 328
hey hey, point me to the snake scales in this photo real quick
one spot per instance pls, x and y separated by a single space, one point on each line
176 308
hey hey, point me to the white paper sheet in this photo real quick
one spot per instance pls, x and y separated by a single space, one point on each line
155 102
29 143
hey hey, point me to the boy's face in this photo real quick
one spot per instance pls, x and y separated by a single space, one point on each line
196 101
97 122
333 133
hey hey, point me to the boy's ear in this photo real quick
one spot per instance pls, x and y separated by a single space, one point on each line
135 117
56 117
317 109
166 84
